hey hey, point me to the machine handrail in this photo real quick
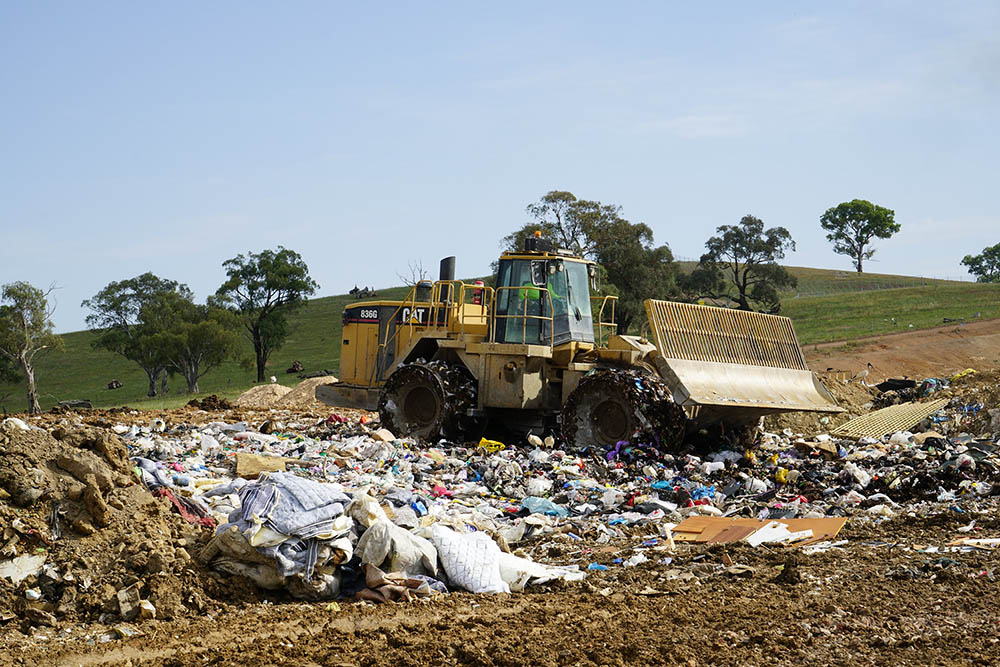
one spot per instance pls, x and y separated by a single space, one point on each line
486 297
524 317
411 301
437 305
600 321
451 305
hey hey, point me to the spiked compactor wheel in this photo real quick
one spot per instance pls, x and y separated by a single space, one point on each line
612 405
429 400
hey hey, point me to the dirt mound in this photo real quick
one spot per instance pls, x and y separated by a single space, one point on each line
303 396
855 398
88 540
212 402
262 396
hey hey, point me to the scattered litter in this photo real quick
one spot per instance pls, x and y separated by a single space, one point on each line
331 506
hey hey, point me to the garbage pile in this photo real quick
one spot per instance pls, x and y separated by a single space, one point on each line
159 518
320 509
83 540
513 494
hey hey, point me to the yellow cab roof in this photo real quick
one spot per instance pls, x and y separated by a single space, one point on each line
543 254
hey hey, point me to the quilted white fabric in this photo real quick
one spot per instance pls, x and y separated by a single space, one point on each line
472 560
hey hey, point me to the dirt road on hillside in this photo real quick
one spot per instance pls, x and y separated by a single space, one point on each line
916 354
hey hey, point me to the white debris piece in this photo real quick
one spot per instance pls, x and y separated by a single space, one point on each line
20 568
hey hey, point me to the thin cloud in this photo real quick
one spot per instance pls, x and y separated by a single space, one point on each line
698 125
803 30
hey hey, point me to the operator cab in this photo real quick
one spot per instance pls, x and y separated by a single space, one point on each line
543 297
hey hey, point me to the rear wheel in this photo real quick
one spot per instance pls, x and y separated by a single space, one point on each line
429 400
614 405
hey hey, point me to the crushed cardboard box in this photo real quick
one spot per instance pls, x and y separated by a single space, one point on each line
722 530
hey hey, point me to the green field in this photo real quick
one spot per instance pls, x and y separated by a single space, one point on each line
829 305
824 282
81 372
856 306
848 316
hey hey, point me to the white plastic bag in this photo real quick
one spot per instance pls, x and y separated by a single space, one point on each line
859 475
518 572
539 486
405 551
365 509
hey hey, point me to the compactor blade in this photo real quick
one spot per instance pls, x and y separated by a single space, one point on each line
722 363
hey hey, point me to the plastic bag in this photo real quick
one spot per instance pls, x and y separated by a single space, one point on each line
537 505
365 509
860 476
519 572
405 551
539 486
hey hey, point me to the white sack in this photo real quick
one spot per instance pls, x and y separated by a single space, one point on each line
472 560
406 552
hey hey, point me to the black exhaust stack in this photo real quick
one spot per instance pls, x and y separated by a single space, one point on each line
447 268
447 272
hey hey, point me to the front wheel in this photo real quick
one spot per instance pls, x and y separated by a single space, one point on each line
429 400
615 405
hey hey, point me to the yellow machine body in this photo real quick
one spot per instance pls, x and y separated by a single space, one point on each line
719 364
460 322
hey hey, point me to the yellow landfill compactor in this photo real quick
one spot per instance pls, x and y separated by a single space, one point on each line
537 351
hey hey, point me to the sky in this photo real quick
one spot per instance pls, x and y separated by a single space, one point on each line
169 137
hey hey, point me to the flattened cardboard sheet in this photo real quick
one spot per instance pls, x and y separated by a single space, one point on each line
722 530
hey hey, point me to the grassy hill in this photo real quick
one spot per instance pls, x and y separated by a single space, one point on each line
81 372
851 315
830 305
824 282
853 306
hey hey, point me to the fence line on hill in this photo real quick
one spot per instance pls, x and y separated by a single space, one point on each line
813 287
850 281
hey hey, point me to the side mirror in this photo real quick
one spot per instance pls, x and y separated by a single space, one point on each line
595 285
538 273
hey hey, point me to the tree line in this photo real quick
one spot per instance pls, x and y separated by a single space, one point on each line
738 269
155 323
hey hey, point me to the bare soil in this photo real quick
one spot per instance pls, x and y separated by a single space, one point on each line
939 352
303 396
874 602
261 396
880 599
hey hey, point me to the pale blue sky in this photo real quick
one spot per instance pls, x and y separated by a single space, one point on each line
169 137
